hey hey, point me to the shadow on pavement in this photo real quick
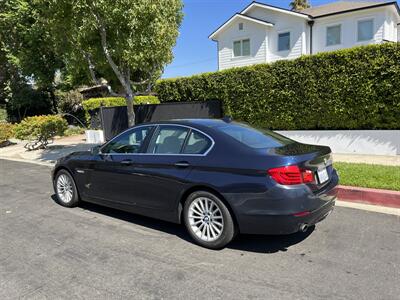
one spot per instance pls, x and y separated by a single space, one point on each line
269 243
250 243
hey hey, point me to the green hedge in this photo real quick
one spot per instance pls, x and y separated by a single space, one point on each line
355 88
94 103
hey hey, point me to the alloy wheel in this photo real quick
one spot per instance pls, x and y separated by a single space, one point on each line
64 188
206 219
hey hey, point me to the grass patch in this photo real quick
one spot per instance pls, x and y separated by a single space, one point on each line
369 176
74 131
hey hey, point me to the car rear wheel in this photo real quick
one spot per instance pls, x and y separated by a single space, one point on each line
65 188
208 220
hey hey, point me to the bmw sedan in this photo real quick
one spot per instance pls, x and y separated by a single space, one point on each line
217 177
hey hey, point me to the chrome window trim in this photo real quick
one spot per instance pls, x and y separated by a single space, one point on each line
118 135
162 154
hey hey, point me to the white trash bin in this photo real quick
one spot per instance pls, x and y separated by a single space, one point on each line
94 136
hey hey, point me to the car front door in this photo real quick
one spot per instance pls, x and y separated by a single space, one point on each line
112 177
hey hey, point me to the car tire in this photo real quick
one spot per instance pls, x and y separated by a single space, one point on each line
65 189
208 220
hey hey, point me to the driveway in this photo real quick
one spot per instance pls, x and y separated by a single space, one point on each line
91 252
58 148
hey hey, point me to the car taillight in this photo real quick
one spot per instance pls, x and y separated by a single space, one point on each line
308 176
290 175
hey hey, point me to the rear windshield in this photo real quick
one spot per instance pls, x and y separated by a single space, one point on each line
254 138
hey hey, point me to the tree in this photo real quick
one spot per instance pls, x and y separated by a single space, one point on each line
4 78
128 42
27 44
299 5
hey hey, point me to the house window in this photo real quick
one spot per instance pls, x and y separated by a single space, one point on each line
334 35
241 48
365 30
284 41
240 26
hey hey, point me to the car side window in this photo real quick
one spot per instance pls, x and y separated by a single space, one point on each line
168 140
197 143
129 142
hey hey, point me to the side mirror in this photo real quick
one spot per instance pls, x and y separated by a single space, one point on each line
95 150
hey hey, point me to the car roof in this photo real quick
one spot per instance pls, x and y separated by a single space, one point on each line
192 122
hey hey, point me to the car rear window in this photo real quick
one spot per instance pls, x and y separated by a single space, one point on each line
254 138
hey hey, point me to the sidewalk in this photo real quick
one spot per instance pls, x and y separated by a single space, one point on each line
368 159
60 147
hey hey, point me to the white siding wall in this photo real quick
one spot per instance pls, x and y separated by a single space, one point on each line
253 31
398 33
349 29
283 23
391 33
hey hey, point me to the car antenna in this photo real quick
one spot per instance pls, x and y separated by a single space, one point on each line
227 119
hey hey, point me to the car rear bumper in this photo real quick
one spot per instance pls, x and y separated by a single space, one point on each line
283 210
270 224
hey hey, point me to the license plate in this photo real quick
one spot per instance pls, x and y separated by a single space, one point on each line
323 175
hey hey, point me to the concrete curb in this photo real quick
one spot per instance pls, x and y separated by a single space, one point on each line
369 196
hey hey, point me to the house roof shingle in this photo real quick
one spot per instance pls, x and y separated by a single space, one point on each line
343 6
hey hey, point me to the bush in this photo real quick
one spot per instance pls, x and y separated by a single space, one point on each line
355 88
26 102
39 130
70 103
6 131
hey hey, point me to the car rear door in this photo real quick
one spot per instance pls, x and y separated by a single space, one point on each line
171 155
162 170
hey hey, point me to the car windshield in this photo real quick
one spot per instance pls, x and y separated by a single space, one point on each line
254 138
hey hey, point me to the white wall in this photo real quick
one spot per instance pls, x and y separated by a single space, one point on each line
390 32
372 142
283 23
251 30
349 29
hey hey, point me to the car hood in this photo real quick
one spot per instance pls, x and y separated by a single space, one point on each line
73 155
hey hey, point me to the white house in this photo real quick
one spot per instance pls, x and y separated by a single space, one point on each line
262 33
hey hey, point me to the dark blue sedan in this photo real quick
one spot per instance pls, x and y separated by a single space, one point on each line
219 178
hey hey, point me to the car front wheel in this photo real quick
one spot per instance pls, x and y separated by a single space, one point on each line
208 220
65 188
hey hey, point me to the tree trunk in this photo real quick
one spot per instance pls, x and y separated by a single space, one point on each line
124 79
53 100
131 111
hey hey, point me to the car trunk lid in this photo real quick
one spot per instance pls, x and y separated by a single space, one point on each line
317 159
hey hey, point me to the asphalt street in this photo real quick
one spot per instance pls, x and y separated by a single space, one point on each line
89 252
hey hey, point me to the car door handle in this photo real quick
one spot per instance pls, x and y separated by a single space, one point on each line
182 164
127 162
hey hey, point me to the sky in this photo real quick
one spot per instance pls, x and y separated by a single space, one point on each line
194 53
